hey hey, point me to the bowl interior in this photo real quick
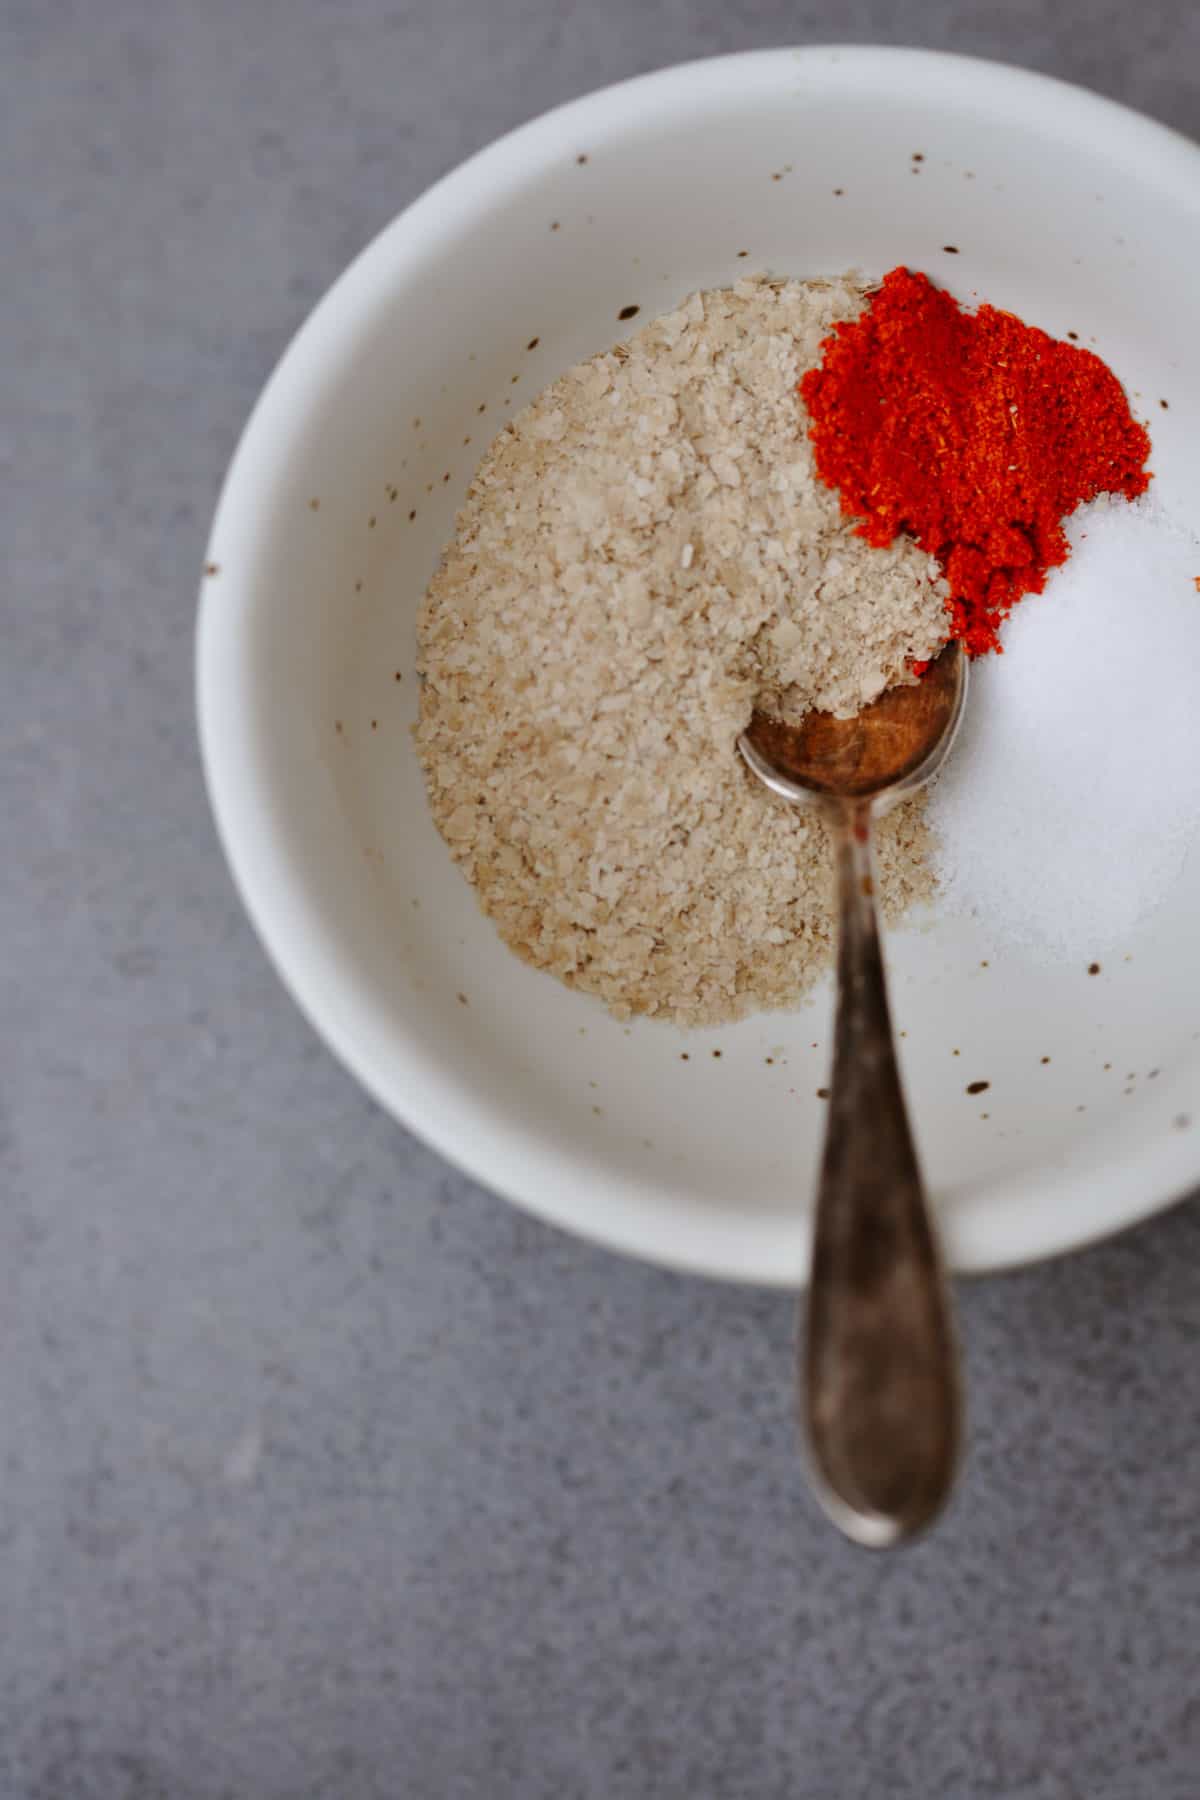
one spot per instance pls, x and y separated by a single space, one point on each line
697 1149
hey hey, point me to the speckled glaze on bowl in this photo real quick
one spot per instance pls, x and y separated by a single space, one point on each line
693 1150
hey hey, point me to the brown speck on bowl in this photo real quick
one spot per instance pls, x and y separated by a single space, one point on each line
838 192
412 515
951 249
1165 406
743 253
398 676
684 1056
822 1093
581 158
1074 336
555 225
978 1087
1045 1059
212 568
533 343
629 312
1181 1121
371 523
337 726
770 1061
482 407
462 999
717 1054
446 476
313 504
918 156
1093 968
374 724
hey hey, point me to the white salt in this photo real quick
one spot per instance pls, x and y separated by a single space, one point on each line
1065 812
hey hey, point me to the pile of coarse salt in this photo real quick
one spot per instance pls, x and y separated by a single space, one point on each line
1064 814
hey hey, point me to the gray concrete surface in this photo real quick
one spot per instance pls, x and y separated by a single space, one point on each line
322 1473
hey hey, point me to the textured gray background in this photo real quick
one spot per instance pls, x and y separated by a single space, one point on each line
322 1473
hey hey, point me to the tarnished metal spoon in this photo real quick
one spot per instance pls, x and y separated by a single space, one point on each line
879 1382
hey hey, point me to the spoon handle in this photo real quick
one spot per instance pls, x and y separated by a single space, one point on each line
880 1381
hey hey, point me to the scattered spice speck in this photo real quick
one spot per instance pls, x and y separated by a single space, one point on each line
581 158
412 515
978 1087
313 504
951 249
717 1055
1045 1059
215 569
629 312
371 523
1093 968
838 192
822 1093
684 1056
399 676
555 225
462 1000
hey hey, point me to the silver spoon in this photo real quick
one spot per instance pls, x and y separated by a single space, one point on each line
880 1379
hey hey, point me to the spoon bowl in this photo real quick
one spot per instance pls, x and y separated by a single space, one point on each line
887 751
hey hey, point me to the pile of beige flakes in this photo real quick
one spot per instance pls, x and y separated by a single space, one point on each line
645 555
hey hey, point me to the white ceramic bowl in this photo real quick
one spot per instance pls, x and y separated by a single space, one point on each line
1078 215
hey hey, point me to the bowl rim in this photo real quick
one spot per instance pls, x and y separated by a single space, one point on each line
1074 1207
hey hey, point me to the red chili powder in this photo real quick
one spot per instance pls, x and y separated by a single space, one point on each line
974 433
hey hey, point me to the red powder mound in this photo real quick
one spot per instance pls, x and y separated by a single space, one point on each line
974 433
